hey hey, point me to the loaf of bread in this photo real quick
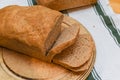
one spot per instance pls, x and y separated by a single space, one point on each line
29 30
65 4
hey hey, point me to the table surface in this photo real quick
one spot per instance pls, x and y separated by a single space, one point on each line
103 23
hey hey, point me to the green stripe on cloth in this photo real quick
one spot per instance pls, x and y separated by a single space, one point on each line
30 3
34 2
90 77
95 73
109 24
109 30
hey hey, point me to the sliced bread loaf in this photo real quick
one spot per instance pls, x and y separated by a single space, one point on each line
29 30
76 55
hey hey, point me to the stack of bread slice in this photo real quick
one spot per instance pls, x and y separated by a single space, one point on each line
44 34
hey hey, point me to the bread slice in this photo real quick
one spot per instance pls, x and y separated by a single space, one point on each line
67 37
76 55
29 30
65 4
85 66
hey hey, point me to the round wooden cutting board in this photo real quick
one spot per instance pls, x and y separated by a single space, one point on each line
16 66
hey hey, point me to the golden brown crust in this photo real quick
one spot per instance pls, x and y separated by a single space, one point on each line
65 4
29 26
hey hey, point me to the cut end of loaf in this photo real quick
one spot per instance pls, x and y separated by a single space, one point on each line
67 38
54 34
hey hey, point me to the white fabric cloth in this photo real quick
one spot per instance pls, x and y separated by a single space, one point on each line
4 3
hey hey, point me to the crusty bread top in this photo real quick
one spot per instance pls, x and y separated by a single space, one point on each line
77 54
65 4
29 25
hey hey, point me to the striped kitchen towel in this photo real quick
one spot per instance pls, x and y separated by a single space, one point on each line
103 22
